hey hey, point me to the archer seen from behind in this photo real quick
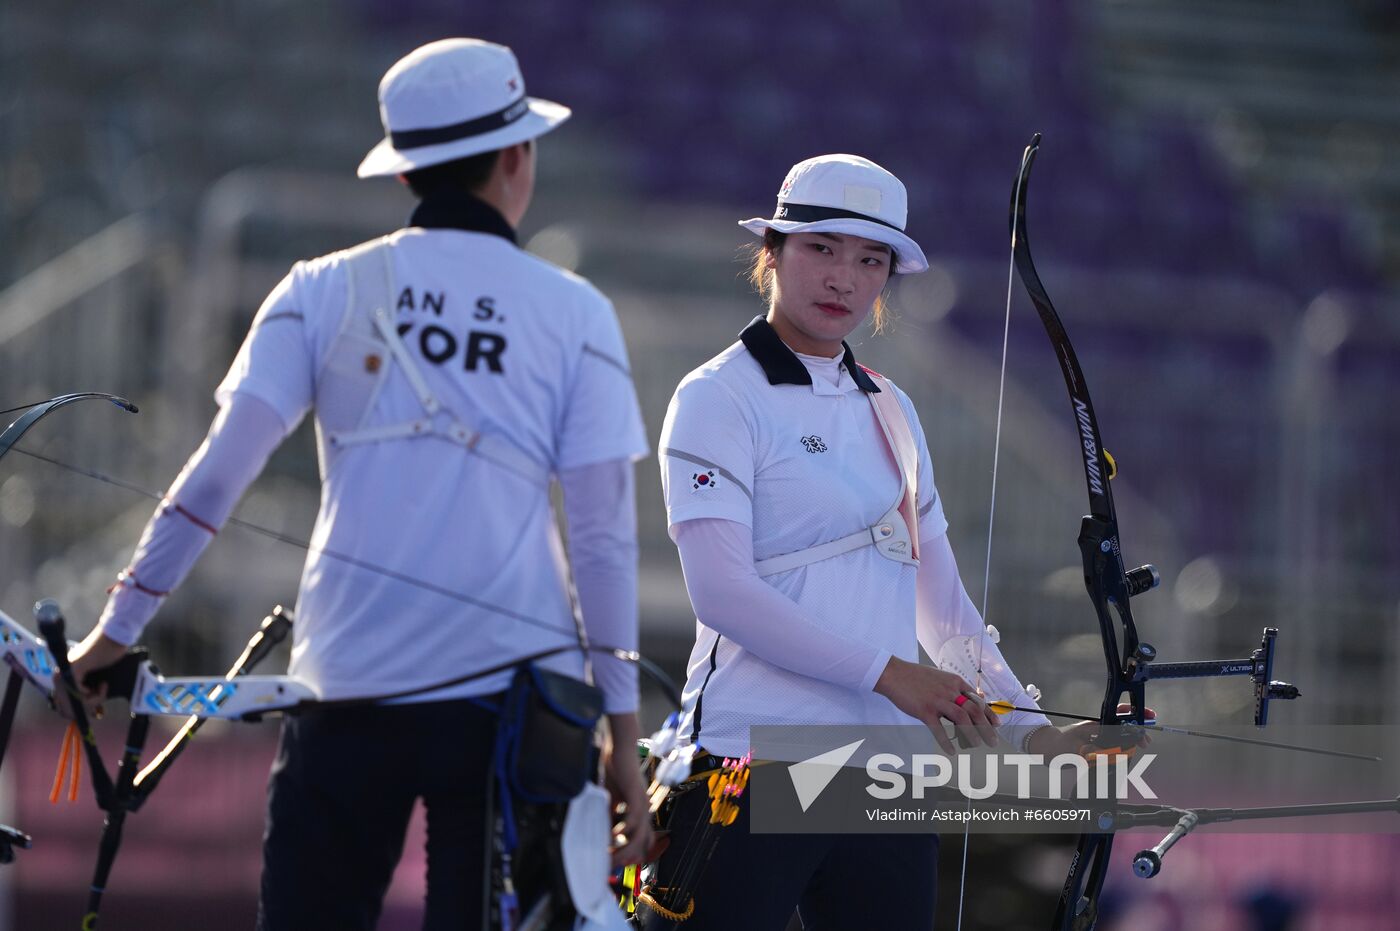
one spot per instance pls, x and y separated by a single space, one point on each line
451 376
800 494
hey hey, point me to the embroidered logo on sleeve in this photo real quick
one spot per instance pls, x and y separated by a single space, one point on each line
702 480
814 444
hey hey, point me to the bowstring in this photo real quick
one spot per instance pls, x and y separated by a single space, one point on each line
306 545
25 407
991 522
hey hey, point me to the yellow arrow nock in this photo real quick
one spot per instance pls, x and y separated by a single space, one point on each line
725 787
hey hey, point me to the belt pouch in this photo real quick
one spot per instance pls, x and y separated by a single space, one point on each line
550 722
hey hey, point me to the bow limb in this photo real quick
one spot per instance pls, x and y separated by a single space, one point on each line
1104 575
8 438
1129 664
39 411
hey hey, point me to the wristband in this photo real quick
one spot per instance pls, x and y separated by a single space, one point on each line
127 579
1026 738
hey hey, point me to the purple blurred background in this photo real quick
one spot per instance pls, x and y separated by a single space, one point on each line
1213 210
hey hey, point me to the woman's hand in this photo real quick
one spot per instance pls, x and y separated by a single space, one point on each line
623 776
97 651
1079 738
931 695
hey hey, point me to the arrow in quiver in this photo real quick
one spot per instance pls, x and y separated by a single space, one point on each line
724 787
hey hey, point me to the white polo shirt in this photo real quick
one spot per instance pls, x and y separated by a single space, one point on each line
510 344
751 437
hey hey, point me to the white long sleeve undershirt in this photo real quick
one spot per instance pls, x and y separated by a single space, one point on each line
599 505
242 437
944 611
731 598
728 595
600 509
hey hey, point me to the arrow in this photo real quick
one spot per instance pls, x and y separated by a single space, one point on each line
1005 707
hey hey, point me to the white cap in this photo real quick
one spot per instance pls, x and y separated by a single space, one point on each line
454 98
845 194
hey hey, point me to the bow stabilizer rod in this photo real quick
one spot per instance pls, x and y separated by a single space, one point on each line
1148 862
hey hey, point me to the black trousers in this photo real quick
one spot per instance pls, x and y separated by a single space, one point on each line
339 800
835 882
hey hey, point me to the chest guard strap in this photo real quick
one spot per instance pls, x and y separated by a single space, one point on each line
896 534
355 370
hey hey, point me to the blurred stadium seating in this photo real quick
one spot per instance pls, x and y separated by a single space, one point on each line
1213 211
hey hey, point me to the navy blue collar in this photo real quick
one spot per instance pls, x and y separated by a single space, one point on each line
458 210
781 364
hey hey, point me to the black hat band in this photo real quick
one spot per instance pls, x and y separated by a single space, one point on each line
418 138
808 213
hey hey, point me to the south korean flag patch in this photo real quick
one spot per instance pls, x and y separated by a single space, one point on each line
701 480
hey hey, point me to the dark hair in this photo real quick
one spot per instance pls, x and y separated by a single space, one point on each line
463 174
761 277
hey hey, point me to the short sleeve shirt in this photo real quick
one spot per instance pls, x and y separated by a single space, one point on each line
510 345
751 437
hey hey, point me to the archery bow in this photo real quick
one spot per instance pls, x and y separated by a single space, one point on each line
134 677
1110 585
130 788
234 696
37 412
33 413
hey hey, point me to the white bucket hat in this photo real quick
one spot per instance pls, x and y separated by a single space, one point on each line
451 99
845 194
